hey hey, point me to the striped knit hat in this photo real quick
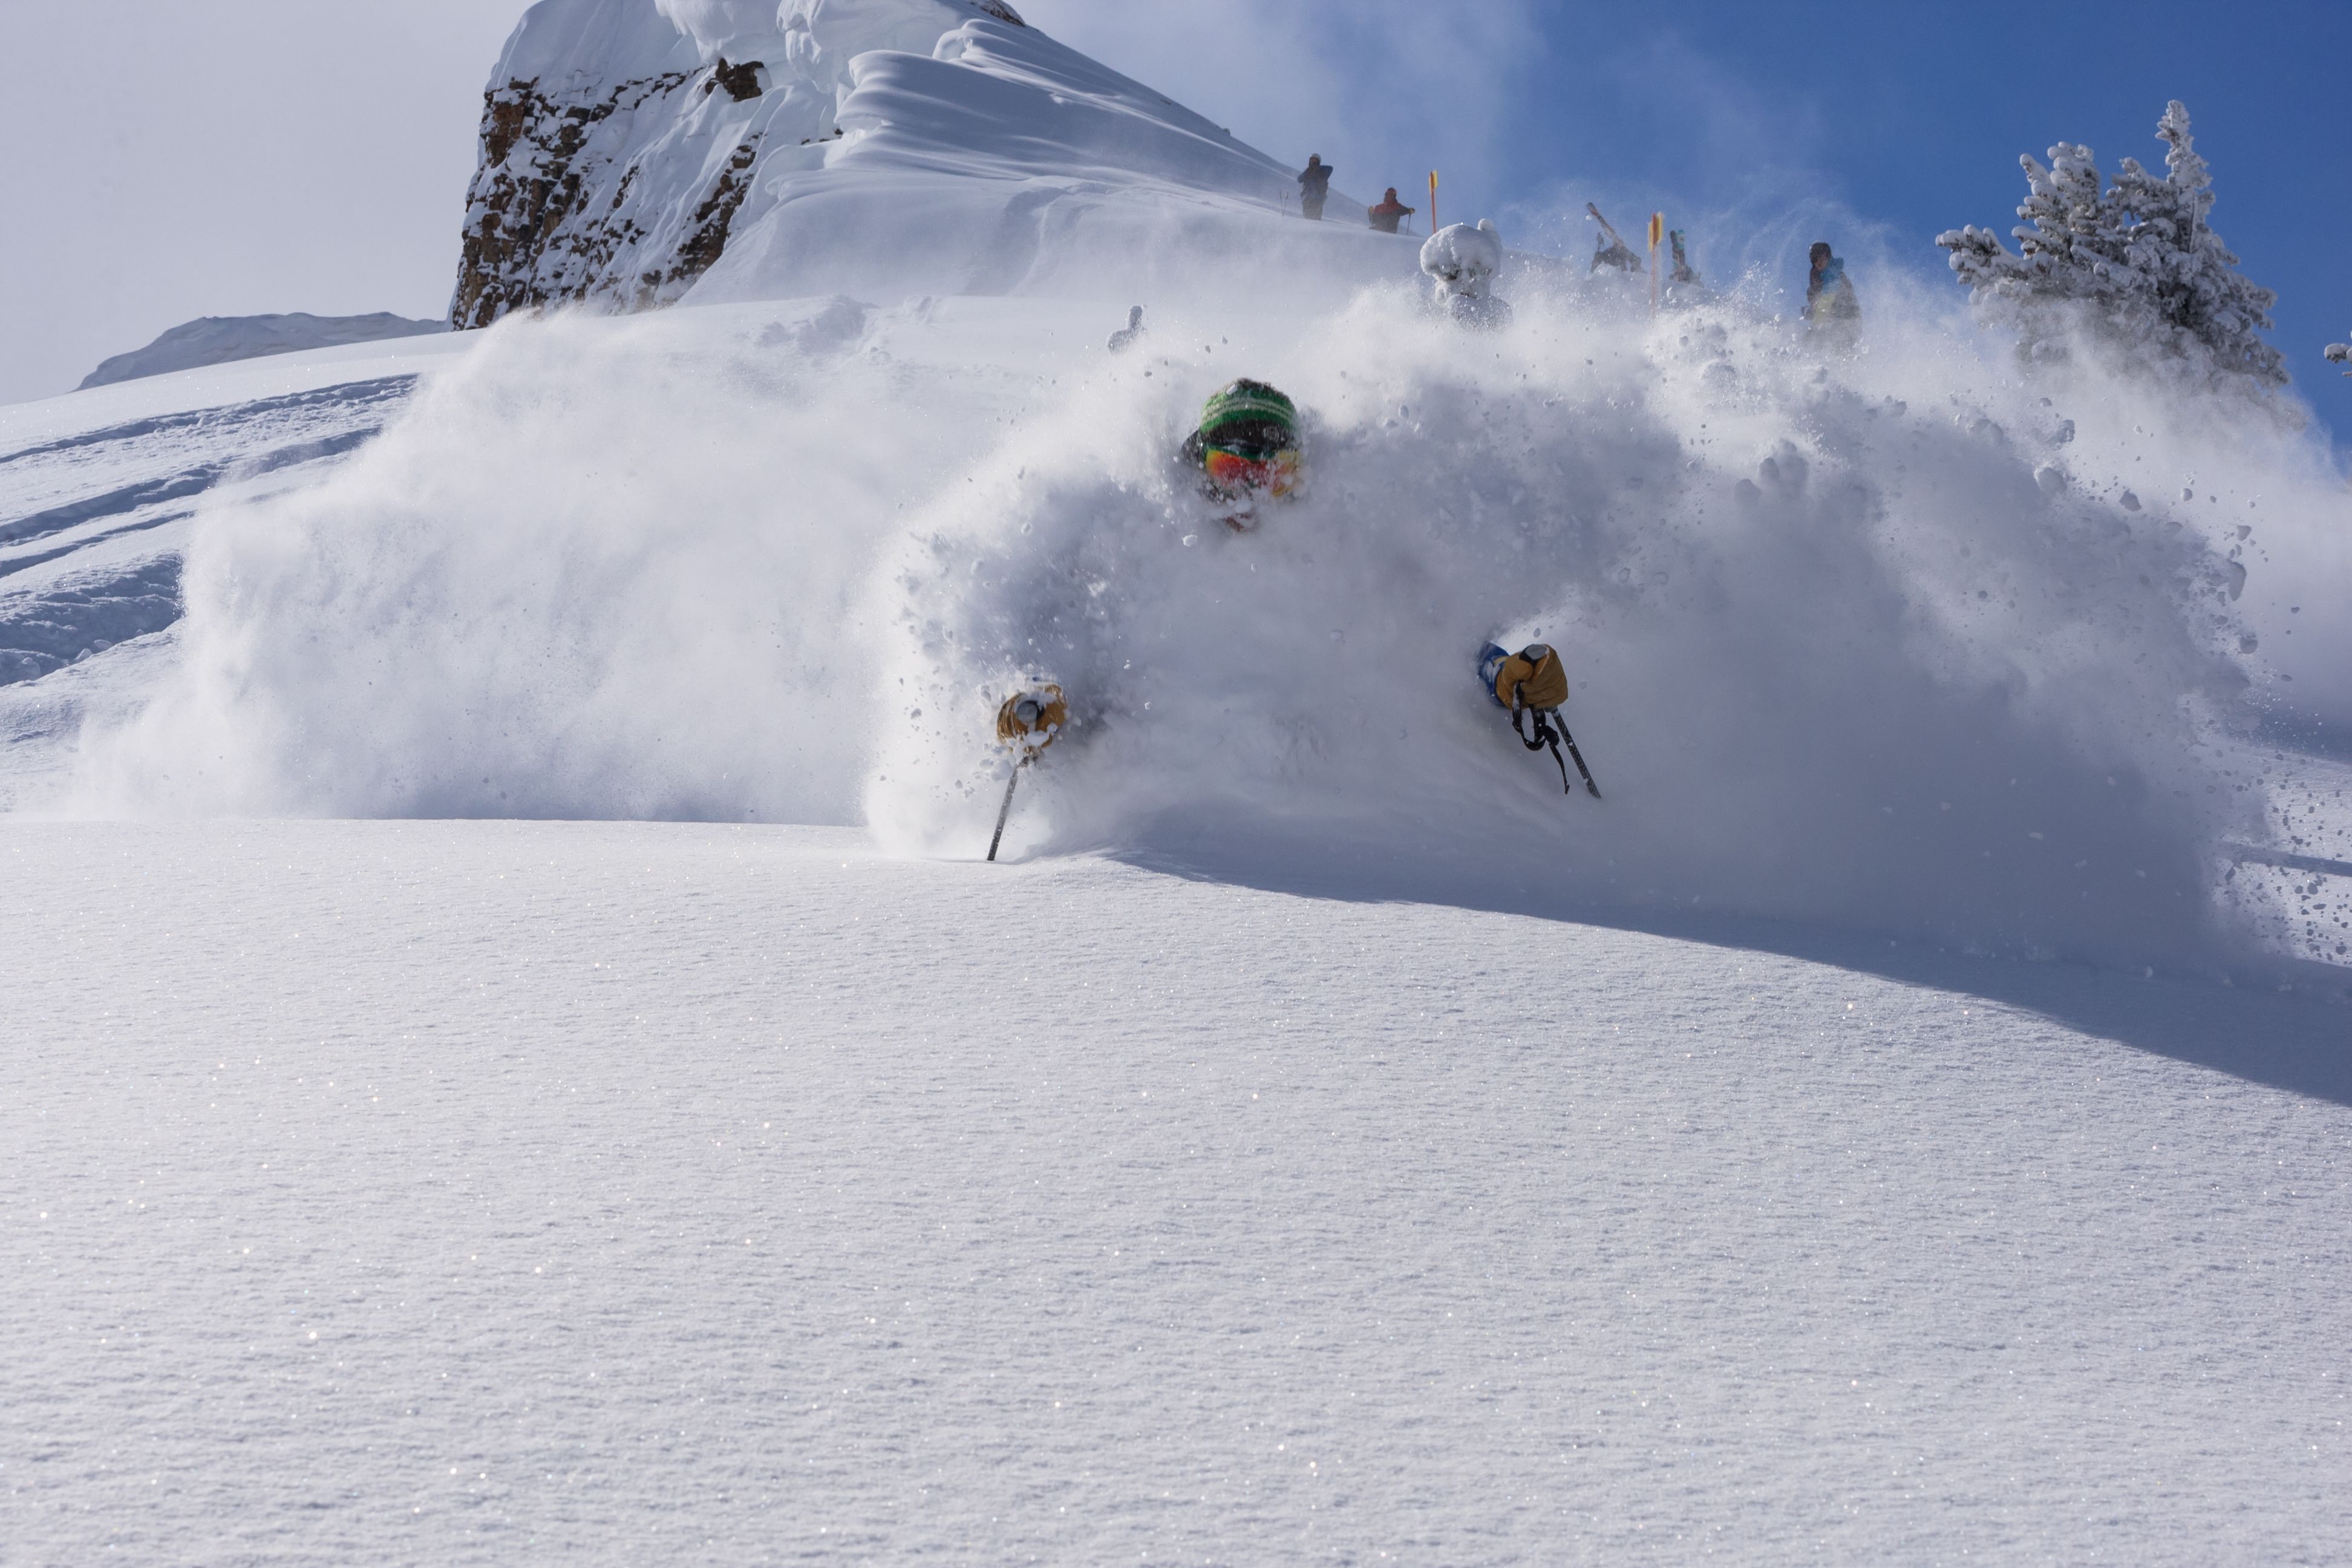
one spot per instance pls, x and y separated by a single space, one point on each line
1250 419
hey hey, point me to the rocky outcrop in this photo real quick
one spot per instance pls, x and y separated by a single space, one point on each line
549 213
742 82
621 138
631 148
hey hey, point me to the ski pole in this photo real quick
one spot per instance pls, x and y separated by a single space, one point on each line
1005 814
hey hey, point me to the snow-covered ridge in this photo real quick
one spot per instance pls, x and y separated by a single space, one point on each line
223 340
630 147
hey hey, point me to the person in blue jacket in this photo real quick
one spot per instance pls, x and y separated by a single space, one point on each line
1832 313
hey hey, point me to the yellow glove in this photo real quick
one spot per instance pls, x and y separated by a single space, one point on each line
1032 721
1533 677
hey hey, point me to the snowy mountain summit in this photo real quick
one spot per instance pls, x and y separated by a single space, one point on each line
637 151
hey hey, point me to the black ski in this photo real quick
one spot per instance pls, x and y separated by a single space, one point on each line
1548 736
1570 742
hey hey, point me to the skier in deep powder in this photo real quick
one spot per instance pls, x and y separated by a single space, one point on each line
1246 446
1533 682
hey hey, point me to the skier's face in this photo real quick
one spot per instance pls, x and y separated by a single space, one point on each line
1236 474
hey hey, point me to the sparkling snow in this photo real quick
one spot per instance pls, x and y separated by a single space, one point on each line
485 1193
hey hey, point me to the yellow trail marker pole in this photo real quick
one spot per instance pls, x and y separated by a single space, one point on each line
1657 232
1432 200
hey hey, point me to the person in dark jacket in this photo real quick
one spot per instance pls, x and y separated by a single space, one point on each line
1314 187
1391 211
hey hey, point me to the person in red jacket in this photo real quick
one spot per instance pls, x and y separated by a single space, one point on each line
1386 216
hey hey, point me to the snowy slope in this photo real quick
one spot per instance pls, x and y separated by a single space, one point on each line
99 489
475 1194
1324 1140
221 340
638 153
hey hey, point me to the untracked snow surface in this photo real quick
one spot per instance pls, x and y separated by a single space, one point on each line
496 1192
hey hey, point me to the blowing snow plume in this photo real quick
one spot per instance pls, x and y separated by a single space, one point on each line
1909 663
1897 645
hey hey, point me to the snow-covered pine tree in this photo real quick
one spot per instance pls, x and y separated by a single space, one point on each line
2187 280
2066 251
2134 267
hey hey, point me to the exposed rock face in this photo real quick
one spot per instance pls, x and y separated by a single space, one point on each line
742 82
552 218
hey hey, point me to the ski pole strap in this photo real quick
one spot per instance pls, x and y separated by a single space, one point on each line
1545 736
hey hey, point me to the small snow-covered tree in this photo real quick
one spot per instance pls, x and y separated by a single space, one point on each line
2341 354
2067 252
2134 266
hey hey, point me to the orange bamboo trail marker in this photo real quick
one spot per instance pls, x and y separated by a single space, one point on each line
1432 200
1657 232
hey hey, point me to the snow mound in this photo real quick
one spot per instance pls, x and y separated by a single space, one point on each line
1464 262
1464 257
223 340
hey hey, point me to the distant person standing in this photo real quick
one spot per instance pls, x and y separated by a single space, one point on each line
1390 212
1832 313
1314 188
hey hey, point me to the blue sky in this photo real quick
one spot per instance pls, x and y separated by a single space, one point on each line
1914 114
197 181
1764 116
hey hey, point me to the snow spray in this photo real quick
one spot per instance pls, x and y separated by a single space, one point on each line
1907 643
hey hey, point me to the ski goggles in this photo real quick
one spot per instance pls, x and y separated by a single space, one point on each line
1276 475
